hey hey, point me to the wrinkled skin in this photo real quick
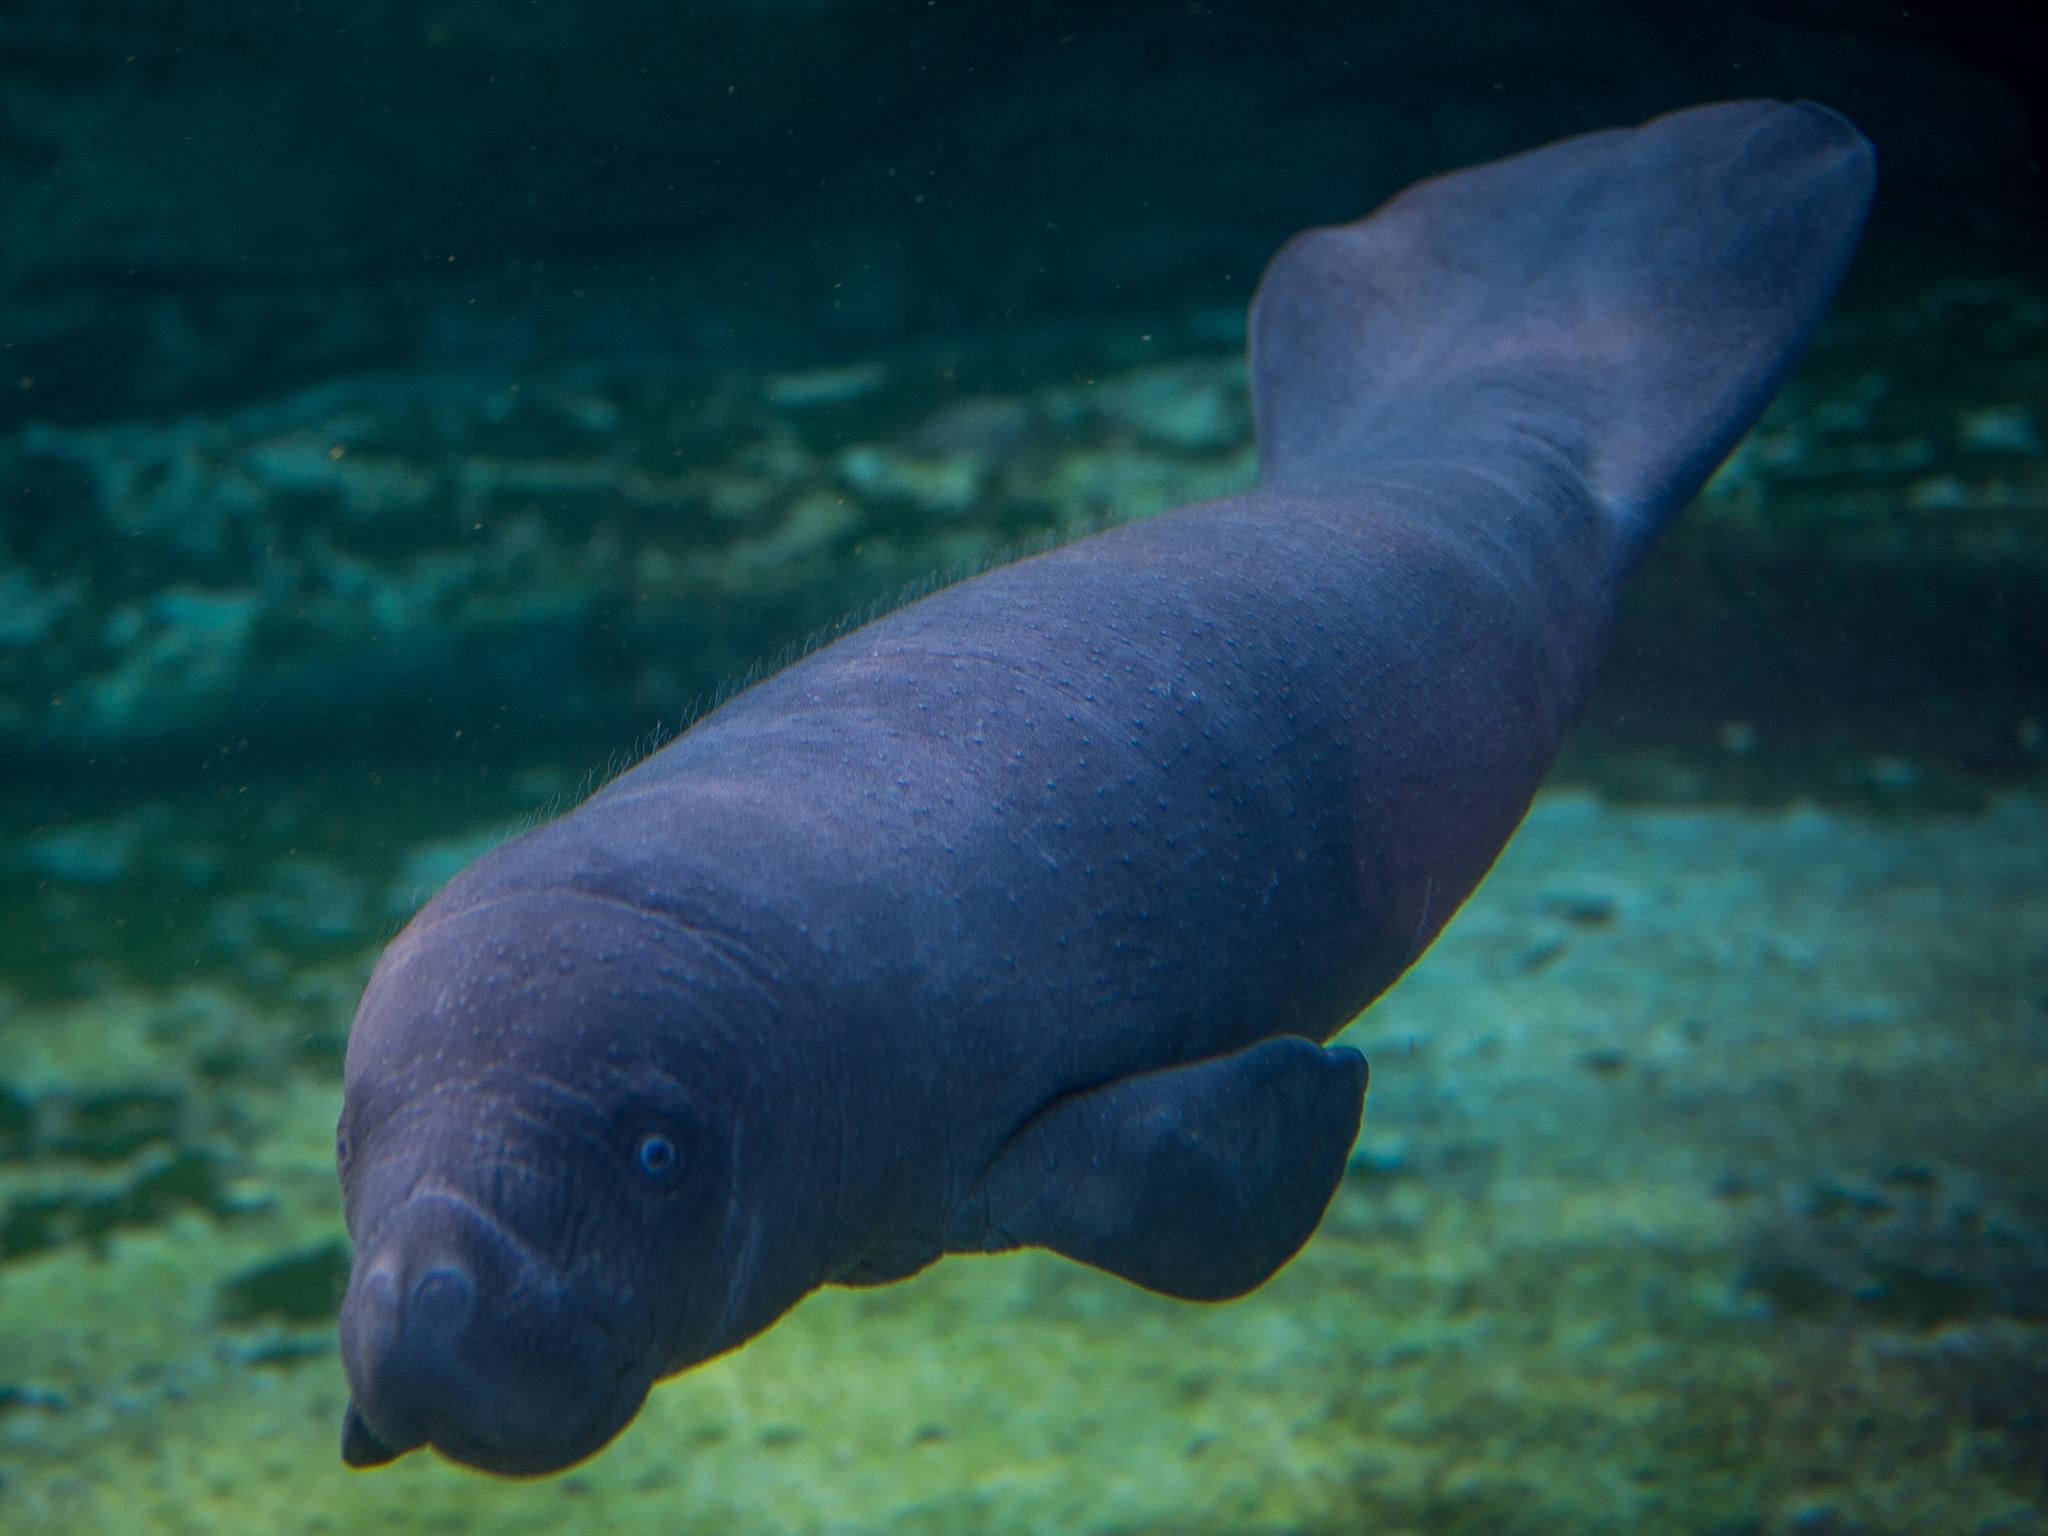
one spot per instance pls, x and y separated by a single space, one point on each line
1021 915
520 1221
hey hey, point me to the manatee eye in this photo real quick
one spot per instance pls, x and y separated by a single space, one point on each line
657 1155
341 1148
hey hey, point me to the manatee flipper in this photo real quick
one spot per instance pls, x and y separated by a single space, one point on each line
1196 1181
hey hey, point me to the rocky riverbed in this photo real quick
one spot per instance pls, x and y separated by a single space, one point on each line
1700 1190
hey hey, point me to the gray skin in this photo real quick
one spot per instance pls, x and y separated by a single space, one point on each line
1020 916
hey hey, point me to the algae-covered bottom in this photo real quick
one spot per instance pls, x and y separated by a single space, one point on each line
1701 1190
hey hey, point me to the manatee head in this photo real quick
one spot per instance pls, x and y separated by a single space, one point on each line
538 1158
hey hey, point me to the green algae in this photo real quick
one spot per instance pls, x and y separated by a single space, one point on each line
1726 1216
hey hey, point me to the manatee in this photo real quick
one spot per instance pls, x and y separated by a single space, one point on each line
1021 916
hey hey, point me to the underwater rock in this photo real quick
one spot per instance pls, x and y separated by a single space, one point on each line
302 1288
17 1122
1192 407
945 485
986 427
314 899
2000 429
824 386
88 852
155 1187
14 1398
587 549
1913 1253
99 1126
114 1124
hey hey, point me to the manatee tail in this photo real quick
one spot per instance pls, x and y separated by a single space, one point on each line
1631 299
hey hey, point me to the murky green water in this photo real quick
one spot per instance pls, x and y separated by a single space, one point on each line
409 418
1700 1186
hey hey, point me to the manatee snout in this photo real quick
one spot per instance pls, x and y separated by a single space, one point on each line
454 1337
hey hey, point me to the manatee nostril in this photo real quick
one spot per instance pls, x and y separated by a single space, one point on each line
380 1288
442 1301
455 1336
371 1310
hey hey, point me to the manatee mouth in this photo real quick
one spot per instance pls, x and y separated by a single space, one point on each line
363 1448
618 1410
454 1336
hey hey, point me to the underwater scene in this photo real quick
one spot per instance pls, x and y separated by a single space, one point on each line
922 1091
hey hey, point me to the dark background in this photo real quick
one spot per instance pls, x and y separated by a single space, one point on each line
206 199
210 205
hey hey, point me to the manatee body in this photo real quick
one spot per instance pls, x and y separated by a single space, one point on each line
1018 917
